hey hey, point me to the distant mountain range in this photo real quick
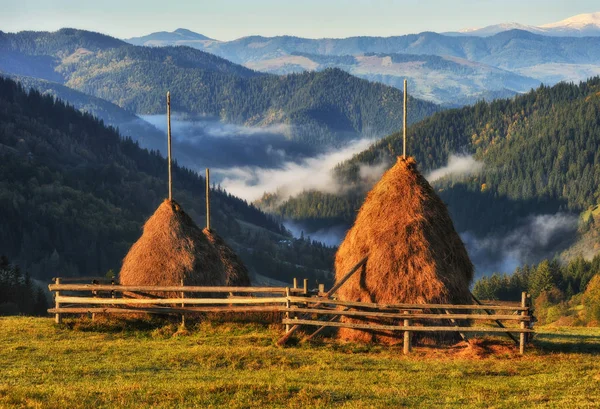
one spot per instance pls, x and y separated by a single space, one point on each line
530 54
443 80
581 25
319 109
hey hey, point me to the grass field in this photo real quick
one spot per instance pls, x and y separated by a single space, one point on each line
87 365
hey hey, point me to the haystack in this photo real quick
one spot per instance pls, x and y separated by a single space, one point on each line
415 254
236 273
173 249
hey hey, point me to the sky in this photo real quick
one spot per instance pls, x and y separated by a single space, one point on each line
231 19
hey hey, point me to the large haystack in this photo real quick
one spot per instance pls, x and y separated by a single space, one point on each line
415 255
172 248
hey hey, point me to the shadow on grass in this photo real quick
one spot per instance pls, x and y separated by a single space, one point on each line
567 343
143 326
118 324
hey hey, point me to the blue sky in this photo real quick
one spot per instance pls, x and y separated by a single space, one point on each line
230 19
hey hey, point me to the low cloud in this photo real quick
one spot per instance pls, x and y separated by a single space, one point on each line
331 236
292 177
206 142
458 165
539 237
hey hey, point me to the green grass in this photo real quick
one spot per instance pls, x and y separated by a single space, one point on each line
234 365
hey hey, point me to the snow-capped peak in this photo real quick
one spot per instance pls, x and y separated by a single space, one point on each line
577 22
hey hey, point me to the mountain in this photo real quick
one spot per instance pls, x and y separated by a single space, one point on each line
581 25
74 195
443 80
544 58
320 109
532 165
181 36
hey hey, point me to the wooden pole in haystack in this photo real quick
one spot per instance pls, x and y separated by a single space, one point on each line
207 199
169 144
404 121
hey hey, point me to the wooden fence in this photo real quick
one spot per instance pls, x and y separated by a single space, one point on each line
300 306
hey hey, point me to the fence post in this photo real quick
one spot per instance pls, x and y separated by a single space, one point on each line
321 289
306 286
57 316
407 347
287 306
95 294
523 314
182 306
295 283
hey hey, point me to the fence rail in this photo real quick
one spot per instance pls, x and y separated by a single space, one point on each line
299 306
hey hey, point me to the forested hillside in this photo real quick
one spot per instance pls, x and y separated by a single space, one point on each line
540 154
126 121
323 108
74 195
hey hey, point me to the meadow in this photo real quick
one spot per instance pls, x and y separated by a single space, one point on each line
85 364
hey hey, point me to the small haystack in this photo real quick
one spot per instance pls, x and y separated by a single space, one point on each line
172 248
236 273
415 255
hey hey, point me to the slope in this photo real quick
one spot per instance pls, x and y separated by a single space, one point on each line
540 155
74 195
125 121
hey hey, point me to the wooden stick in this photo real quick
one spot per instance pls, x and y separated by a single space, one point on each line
182 306
405 315
346 277
165 310
523 313
453 321
195 301
328 301
406 345
497 322
169 144
328 294
402 328
405 121
57 317
208 199
287 313
166 288
314 334
95 294
305 289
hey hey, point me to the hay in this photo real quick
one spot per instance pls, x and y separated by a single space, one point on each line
173 249
415 255
236 273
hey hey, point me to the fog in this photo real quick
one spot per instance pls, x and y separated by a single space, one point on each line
539 237
198 143
458 165
292 177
